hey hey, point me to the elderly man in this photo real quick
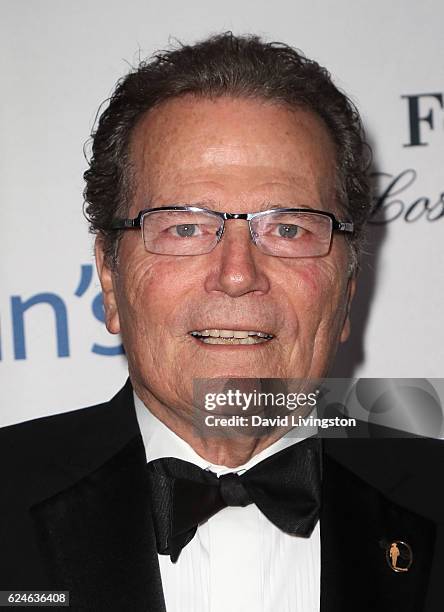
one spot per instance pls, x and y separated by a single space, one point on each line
227 189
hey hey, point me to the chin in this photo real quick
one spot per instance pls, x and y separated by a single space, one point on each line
239 372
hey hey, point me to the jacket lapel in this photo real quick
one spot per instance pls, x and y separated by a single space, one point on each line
98 540
359 523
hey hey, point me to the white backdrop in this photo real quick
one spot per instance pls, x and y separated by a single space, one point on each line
59 60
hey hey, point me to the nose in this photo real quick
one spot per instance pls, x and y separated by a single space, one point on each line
237 265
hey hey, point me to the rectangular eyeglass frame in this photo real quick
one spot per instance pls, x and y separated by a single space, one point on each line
136 222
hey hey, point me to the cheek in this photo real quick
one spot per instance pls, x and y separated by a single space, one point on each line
309 285
316 293
144 291
154 290
314 287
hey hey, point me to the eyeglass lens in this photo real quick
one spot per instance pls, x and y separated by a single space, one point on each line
293 234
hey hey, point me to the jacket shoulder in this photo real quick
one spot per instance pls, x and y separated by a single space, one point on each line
40 456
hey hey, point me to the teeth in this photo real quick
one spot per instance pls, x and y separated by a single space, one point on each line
231 341
240 334
230 336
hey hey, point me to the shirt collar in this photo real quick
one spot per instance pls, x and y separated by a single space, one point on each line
160 441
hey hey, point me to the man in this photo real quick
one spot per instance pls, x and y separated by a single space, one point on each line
228 192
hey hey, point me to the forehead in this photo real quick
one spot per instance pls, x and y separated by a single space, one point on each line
191 147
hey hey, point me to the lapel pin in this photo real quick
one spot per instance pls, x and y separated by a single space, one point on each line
399 556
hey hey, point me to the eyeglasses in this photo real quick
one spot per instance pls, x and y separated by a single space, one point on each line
191 230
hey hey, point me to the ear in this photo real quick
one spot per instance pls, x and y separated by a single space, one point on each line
351 289
106 280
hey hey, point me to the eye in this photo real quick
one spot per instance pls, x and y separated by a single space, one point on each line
288 230
185 230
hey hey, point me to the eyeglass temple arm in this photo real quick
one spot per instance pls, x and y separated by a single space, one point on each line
343 226
125 223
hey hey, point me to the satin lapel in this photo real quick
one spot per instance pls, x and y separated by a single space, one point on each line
358 525
98 540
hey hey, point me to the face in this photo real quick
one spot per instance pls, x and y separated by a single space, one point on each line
232 155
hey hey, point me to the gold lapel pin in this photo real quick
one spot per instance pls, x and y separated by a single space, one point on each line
399 556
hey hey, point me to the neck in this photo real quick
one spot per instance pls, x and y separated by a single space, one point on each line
219 444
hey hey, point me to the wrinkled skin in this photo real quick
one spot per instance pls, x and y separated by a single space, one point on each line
233 155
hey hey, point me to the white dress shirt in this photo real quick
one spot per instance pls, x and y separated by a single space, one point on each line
238 561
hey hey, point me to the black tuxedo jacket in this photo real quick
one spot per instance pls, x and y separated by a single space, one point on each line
75 515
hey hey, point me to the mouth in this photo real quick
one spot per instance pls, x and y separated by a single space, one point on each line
231 337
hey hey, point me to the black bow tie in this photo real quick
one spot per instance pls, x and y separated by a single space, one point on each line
286 487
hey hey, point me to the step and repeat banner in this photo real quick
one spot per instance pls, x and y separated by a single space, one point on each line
60 60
